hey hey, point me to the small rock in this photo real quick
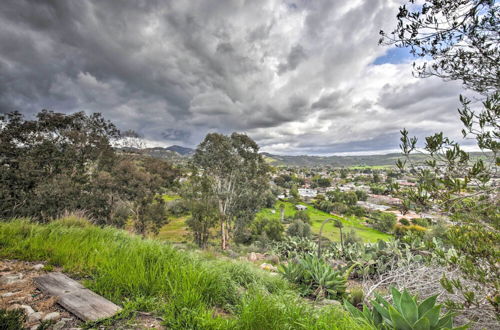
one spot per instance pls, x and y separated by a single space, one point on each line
38 266
52 316
35 327
273 259
8 294
14 306
59 325
268 267
255 256
27 309
34 317
9 279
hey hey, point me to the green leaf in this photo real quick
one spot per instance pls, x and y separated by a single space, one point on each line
381 300
383 312
353 310
445 322
422 324
426 305
433 315
408 307
396 298
377 318
398 321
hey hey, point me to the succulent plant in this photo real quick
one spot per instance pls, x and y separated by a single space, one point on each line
405 313
315 278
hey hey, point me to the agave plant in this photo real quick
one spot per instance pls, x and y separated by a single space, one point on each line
315 277
405 313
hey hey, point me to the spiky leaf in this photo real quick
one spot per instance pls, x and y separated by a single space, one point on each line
408 307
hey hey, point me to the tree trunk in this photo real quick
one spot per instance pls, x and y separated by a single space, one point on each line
223 234
341 241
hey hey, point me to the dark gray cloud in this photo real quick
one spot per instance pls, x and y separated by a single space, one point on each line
296 76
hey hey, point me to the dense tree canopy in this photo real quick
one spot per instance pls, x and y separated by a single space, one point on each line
57 163
236 177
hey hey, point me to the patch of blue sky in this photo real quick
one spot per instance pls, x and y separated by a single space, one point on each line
394 55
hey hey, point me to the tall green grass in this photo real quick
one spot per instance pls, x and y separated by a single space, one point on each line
188 290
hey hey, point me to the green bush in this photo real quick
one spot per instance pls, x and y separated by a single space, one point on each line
302 215
299 229
423 222
351 237
405 222
271 229
405 313
384 222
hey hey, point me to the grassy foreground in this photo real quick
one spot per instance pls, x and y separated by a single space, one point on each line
188 290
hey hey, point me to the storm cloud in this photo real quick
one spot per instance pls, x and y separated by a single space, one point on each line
297 76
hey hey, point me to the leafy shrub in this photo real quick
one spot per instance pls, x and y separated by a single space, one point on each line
177 207
302 215
384 222
315 278
404 222
351 237
356 210
12 320
272 229
339 208
299 229
405 313
361 195
415 230
423 222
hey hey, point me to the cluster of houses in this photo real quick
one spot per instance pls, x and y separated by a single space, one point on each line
374 202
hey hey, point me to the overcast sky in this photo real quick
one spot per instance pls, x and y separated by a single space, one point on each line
299 77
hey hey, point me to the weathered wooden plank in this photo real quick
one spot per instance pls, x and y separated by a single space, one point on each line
75 298
57 284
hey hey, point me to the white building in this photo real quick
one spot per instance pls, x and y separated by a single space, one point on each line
307 193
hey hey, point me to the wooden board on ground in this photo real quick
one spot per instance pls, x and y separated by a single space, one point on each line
75 298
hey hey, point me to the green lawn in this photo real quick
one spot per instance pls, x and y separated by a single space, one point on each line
317 217
372 167
175 231
169 198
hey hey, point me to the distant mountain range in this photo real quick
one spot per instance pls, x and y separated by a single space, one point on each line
183 151
177 153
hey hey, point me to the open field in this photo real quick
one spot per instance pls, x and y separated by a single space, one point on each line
371 167
175 231
317 217
186 289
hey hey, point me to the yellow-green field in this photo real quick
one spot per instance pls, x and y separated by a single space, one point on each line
177 231
317 217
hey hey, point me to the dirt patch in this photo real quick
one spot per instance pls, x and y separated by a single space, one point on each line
18 291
